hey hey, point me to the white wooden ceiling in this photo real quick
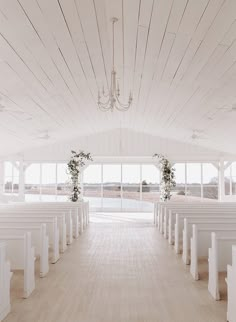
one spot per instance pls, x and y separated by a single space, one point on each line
177 56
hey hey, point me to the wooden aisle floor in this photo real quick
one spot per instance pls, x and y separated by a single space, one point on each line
121 271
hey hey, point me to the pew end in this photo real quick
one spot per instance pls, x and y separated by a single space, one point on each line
5 279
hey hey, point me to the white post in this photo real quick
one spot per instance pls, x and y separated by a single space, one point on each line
21 180
177 250
221 180
231 282
5 278
213 282
1 178
29 268
194 253
44 244
81 181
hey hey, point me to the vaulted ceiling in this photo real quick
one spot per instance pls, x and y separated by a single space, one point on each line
178 57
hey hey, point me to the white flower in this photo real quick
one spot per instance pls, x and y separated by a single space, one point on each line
167 180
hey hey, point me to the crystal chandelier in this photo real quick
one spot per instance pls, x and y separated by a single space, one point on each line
110 101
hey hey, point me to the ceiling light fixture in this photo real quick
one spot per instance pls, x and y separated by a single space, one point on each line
196 135
17 113
110 101
43 135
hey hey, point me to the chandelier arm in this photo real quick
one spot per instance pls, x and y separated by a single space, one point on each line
104 108
122 104
121 108
104 103
106 95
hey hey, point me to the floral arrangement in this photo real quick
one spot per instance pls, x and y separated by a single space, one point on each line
167 177
76 163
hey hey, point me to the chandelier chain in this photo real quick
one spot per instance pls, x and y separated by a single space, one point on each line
113 101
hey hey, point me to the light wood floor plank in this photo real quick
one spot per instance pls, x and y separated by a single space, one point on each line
118 272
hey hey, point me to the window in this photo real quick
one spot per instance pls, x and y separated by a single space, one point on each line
198 180
180 178
130 186
112 186
233 176
180 173
48 184
92 185
63 189
210 181
150 182
193 171
230 179
32 182
11 177
118 186
121 186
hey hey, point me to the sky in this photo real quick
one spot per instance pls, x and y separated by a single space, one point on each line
131 173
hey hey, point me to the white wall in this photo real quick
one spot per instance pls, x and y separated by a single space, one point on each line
118 144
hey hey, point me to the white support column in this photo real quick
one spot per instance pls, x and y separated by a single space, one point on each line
56 187
40 182
102 187
221 180
121 187
186 185
1 178
202 192
140 184
230 187
21 180
81 181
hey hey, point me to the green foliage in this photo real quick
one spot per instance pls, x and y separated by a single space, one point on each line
181 193
168 177
145 187
76 163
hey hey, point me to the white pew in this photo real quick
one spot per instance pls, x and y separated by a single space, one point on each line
39 240
44 214
46 210
163 207
80 205
179 225
52 230
204 224
41 216
201 241
170 226
75 210
231 287
155 213
220 255
20 252
5 278
86 210
170 219
81 209
76 214
167 209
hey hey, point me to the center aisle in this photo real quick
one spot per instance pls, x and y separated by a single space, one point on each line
121 271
